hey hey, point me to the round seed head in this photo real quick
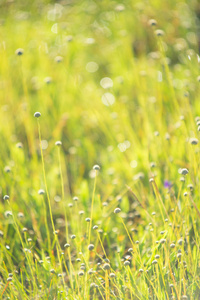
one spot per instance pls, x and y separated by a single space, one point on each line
154 262
90 272
58 59
194 141
117 210
130 250
1 233
19 51
52 271
66 245
6 197
81 273
179 255
106 266
95 227
92 285
87 219
47 80
180 242
10 274
9 279
141 270
96 167
172 245
159 32
20 215
7 169
75 198
112 275
58 143
90 247
184 171
127 263
78 259
152 22
73 236
157 256
19 145
41 192
162 241
37 114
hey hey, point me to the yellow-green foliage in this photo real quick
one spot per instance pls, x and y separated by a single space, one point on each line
118 84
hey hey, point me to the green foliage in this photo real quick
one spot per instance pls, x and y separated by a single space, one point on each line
117 93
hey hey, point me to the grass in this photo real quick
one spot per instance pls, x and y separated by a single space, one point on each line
113 160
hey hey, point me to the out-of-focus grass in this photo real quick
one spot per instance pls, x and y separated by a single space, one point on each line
119 95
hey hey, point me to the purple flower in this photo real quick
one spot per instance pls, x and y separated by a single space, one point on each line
167 184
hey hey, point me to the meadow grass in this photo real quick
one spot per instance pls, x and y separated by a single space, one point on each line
100 122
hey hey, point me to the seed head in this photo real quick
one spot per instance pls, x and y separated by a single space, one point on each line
112 275
87 219
9 279
37 114
90 247
47 80
19 145
58 59
162 241
117 210
172 245
141 270
73 236
157 256
194 141
81 273
67 245
58 143
6 197
96 167
41 192
154 262
180 242
127 263
106 266
19 51
159 32
184 171
95 227
152 22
